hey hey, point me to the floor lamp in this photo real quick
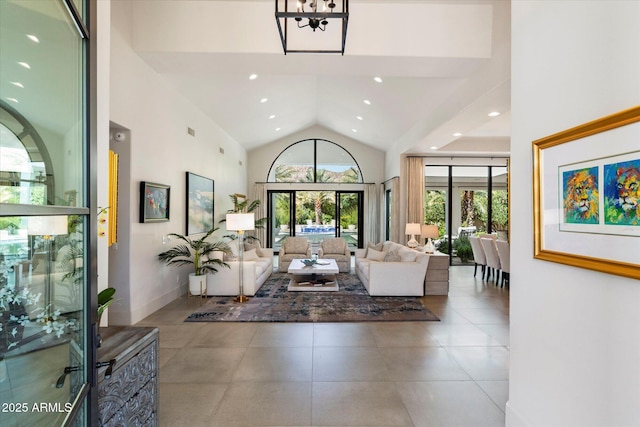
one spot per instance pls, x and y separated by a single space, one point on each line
47 227
241 222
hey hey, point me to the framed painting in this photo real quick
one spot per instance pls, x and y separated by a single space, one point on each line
200 203
586 195
154 202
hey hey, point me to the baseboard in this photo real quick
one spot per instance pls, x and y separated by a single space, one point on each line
513 418
126 318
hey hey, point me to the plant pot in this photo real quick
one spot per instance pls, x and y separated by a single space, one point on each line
351 227
284 227
197 284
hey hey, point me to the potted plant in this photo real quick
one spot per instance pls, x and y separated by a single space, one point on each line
105 298
195 252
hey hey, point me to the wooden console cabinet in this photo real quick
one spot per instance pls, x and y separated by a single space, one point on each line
129 397
437 280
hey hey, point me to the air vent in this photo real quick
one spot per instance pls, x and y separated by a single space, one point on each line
191 132
221 150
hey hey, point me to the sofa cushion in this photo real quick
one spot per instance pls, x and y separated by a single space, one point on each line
374 255
376 246
407 255
386 246
392 256
250 255
253 245
334 246
296 245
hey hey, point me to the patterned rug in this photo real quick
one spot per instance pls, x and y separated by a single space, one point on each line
273 303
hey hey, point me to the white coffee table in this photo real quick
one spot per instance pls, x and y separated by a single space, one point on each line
321 277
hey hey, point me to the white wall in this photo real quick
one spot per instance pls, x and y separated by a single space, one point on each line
161 151
575 333
370 160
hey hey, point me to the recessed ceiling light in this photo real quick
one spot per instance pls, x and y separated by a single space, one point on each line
434 148
25 65
253 76
354 130
457 134
12 100
33 38
378 79
263 100
273 116
18 84
359 118
366 101
494 114
277 129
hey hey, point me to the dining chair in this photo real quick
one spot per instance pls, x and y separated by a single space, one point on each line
478 255
505 261
493 260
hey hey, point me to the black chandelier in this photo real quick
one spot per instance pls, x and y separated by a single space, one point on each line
314 14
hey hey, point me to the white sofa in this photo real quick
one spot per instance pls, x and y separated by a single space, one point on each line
404 277
227 280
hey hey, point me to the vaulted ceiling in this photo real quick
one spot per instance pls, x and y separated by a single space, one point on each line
443 66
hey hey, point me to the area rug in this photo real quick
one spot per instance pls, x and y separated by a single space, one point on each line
273 303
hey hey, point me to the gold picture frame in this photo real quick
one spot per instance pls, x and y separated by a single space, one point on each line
593 241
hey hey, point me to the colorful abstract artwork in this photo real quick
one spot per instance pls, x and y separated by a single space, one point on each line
580 196
621 193
154 202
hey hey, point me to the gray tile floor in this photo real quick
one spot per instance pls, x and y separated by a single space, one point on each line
449 373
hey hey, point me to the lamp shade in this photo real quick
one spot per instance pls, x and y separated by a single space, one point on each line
412 228
47 225
430 231
241 221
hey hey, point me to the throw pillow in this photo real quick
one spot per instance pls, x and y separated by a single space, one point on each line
255 244
376 246
407 255
374 255
391 256
250 255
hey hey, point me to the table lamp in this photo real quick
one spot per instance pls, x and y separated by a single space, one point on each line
412 229
430 231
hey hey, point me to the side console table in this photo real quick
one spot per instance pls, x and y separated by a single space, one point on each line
128 391
437 280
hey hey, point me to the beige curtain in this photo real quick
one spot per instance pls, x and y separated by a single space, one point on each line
260 193
371 218
394 228
415 190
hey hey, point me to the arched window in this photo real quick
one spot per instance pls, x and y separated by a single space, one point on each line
26 174
315 160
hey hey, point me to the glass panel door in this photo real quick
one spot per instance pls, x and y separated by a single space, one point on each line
350 217
44 216
315 214
280 211
500 202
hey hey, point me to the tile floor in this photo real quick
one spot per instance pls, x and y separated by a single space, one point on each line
449 373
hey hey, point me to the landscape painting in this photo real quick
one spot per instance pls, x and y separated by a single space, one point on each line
200 202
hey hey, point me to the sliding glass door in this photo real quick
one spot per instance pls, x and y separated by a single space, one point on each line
315 215
466 200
